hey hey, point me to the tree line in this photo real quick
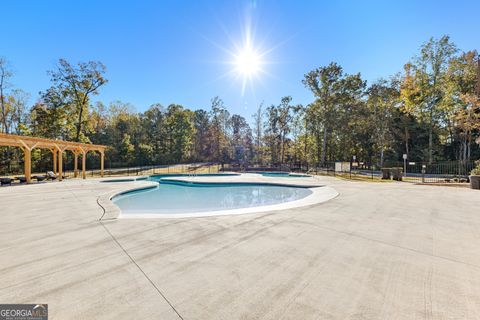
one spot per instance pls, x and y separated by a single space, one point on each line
429 111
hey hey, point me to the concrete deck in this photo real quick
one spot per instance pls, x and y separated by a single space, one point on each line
377 251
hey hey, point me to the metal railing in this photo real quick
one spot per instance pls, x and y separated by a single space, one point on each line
417 172
68 172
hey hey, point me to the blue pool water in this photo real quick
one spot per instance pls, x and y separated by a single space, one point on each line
177 198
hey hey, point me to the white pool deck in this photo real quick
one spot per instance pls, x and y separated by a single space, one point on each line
377 251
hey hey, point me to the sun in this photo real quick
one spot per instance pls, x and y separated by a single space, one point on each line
247 62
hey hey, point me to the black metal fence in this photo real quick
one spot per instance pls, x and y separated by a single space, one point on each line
119 170
191 168
416 172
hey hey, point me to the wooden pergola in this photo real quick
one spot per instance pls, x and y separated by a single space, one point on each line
57 147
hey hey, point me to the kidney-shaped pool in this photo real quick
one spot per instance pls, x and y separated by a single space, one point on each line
182 199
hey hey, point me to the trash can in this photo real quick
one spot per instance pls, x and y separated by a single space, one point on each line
397 173
386 173
475 182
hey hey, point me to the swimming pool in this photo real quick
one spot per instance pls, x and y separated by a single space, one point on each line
178 198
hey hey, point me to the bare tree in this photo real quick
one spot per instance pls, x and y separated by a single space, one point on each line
17 103
5 74
257 118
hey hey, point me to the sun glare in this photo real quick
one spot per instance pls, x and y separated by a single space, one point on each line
247 62
247 58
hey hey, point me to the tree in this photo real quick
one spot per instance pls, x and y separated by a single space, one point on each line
423 86
335 95
17 115
154 132
324 83
49 120
284 121
462 101
241 139
278 127
219 130
383 97
298 129
126 149
180 132
201 145
5 75
258 133
76 85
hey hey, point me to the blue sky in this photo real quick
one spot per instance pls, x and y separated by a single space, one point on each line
177 51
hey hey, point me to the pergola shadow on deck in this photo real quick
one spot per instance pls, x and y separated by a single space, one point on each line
57 147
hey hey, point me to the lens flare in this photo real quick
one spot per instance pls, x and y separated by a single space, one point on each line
247 62
247 58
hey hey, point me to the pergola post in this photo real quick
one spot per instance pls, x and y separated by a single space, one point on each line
75 163
60 165
54 151
84 164
102 160
27 152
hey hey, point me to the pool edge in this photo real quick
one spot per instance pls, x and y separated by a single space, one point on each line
320 194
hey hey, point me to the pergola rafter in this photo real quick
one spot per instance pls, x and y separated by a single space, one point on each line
57 147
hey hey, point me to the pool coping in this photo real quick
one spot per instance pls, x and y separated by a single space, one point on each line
110 210
320 194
